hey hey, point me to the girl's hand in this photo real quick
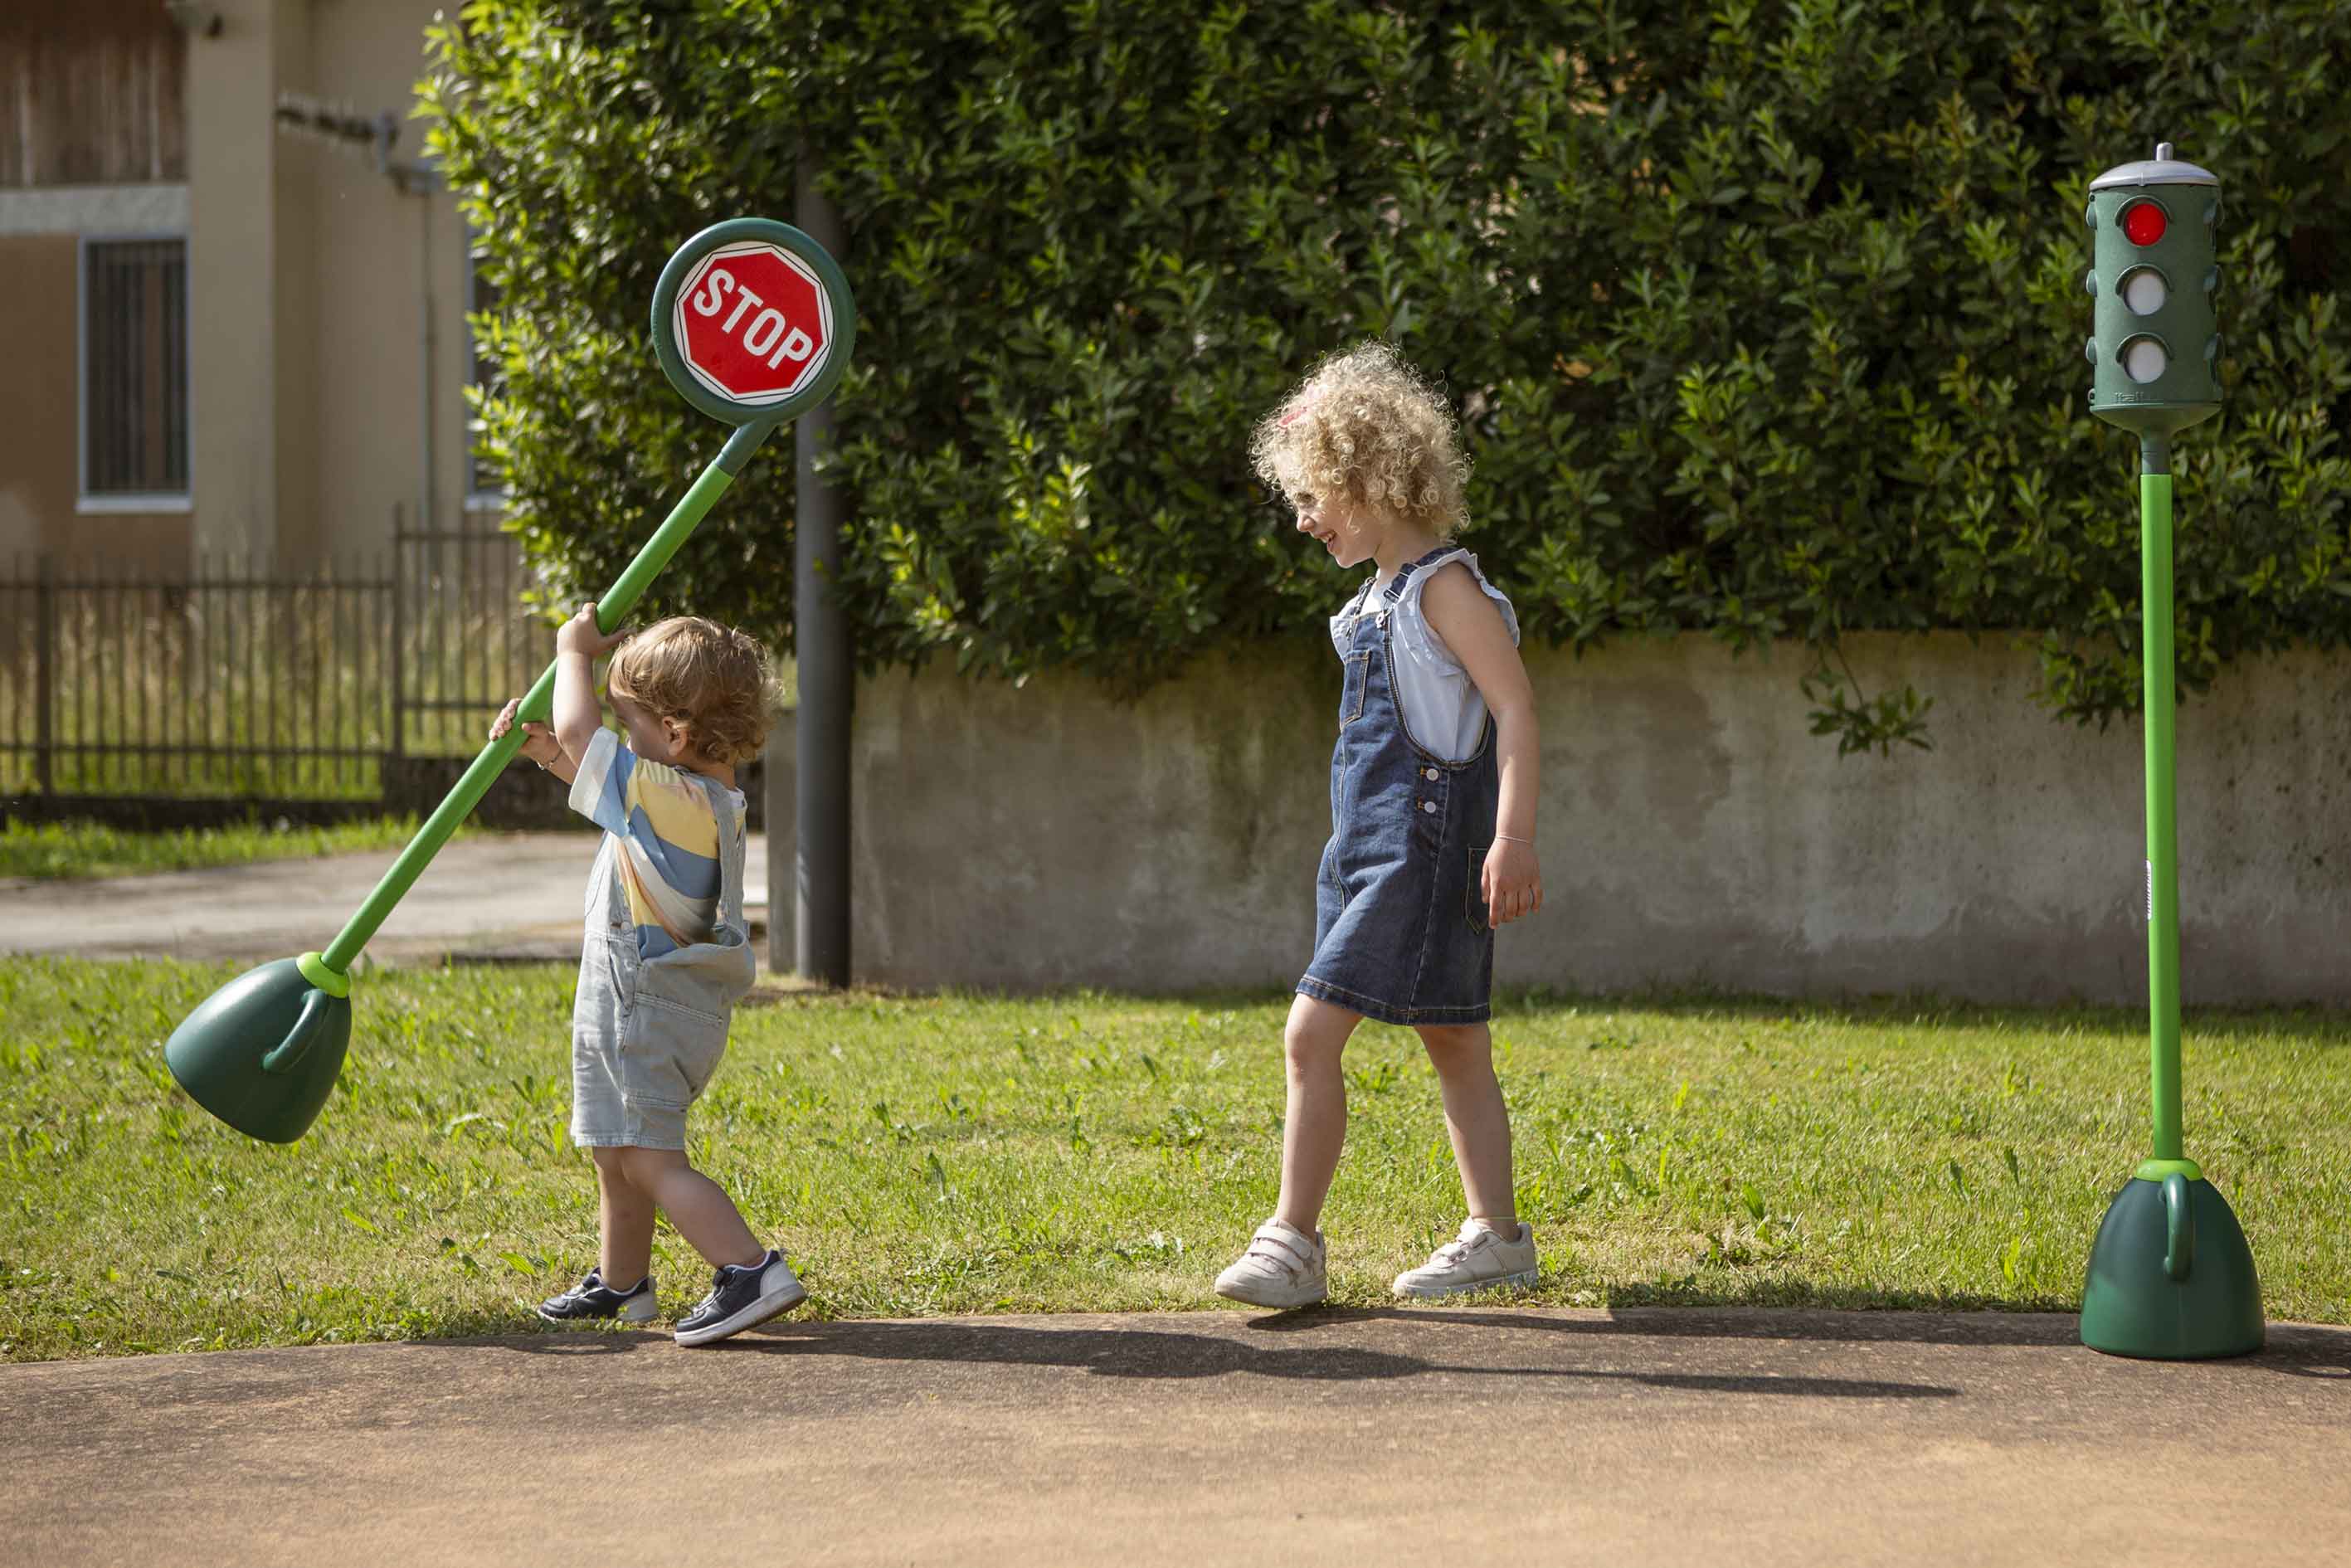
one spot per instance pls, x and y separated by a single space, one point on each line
538 741
580 634
1511 881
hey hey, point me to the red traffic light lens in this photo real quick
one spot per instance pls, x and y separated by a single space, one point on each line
2143 223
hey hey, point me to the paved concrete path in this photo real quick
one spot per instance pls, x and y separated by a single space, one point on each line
1472 1436
491 896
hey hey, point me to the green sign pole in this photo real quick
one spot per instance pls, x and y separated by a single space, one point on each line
753 323
2161 704
2170 1276
539 702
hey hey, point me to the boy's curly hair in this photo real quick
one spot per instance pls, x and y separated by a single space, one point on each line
714 678
1367 425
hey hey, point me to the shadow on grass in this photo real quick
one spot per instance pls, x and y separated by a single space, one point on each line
2323 1024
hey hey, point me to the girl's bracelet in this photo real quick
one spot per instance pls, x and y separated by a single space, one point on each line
1514 839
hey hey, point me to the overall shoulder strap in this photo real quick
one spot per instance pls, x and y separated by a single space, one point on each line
731 849
1436 558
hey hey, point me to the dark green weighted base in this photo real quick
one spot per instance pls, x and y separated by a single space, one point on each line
2170 1276
261 1053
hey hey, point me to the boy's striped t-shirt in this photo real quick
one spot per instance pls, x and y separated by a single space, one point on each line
667 841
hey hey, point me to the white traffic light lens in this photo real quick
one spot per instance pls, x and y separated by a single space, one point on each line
2144 291
2144 359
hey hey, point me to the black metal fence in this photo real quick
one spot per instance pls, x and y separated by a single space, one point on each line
234 683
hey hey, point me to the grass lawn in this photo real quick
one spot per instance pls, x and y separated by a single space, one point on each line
91 849
944 1154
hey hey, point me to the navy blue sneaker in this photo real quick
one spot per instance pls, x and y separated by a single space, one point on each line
742 1296
591 1297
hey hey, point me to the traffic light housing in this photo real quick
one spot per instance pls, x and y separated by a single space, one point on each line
2155 348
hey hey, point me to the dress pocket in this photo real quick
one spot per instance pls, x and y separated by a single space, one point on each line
1352 695
1473 897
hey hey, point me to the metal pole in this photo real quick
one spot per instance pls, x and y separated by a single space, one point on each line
428 509
2162 820
821 643
395 641
45 675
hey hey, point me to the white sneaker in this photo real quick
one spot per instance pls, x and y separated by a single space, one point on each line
1478 1259
1281 1269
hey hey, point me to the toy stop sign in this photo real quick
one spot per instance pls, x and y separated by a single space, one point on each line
753 323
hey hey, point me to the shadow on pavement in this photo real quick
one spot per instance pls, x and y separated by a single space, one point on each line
2300 1350
2295 1349
1147 1354
1700 1322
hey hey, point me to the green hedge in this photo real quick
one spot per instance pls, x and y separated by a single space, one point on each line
1762 321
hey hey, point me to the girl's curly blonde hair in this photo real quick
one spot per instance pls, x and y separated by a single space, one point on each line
1366 425
713 678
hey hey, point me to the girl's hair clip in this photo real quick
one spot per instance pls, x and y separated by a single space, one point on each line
1295 410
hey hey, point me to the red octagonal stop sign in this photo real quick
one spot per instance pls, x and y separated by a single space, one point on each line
753 323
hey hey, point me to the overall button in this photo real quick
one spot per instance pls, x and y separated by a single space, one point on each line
1428 805
1429 774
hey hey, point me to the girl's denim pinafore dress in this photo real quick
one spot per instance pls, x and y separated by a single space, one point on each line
1400 931
647 1033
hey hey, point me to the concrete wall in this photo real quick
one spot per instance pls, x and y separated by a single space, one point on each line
1692 832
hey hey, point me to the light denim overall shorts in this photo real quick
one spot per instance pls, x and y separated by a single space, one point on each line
647 1033
1400 931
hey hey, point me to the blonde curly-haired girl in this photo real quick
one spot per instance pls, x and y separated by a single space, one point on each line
1433 786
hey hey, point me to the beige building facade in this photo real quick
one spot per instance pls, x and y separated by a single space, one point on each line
233 292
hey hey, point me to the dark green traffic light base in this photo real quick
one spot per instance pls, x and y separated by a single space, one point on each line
2171 1278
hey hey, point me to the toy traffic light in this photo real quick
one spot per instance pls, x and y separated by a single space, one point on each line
2170 1275
2156 343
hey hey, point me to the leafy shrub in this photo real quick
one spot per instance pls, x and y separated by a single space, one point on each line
1762 321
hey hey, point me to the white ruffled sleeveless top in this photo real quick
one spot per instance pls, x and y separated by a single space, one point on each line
1442 705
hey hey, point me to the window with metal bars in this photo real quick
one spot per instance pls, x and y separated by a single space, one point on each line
134 368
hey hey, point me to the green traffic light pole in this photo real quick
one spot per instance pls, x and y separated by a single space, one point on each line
262 1052
2170 1276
